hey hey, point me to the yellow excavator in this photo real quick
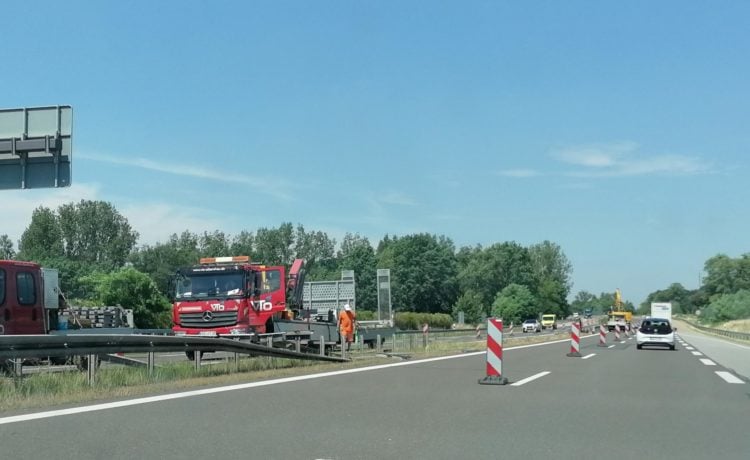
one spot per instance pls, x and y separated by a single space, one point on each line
617 315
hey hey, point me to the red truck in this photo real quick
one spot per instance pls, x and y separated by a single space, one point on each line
31 303
28 298
230 296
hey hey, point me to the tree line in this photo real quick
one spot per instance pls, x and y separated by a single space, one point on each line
97 253
724 293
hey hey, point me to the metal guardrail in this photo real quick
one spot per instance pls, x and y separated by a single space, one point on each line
42 346
722 332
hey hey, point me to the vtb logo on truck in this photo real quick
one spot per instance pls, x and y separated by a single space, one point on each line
217 307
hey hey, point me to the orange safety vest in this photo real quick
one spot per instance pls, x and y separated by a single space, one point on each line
346 322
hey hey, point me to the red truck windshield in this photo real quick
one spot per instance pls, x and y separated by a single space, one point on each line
205 285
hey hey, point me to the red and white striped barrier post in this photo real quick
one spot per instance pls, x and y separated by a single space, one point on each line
510 331
602 336
494 354
479 332
575 340
617 333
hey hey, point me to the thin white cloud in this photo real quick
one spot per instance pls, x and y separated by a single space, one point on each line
626 159
519 173
398 199
270 186
595 155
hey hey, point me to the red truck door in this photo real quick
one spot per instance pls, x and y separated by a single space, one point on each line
272 289
21 309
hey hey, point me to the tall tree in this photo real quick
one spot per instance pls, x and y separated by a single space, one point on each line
6 248
680 297
243 244
42 239
357 254
95 232
318 250
515 303
214 244
490 270
423 272
552 271
274 246
161 260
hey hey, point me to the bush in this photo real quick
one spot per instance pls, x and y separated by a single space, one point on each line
365 315
728 307
410 321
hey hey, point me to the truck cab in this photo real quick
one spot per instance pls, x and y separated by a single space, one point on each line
28 298
549 321
229 296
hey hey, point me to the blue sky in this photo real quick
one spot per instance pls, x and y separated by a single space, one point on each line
615 129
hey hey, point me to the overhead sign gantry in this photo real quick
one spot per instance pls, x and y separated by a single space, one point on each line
36 147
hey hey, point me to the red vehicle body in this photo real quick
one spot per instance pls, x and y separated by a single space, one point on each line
28 298
229 296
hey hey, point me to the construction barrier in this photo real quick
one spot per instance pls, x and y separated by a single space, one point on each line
494 354
575 340
602 336
617 333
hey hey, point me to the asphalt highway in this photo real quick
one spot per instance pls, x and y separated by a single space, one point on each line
614 403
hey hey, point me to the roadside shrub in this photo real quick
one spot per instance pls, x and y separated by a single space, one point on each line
366 315
728 307
410 321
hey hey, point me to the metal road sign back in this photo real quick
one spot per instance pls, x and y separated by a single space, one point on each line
36 147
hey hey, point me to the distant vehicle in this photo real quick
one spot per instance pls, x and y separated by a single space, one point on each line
532 325
661 310
588 312
576 315
619 318
549 321
655 332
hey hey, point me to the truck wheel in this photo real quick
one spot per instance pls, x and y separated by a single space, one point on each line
640 347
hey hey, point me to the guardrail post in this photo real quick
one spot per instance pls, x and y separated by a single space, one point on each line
361 341
411 342
322 346
151 363
91 369
236 362
269 341
197 359
18 368
379 346
297 345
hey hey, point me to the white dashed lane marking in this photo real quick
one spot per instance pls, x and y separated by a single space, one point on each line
529 379
708 362
728 377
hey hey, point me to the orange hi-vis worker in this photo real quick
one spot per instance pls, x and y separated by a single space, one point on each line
346 325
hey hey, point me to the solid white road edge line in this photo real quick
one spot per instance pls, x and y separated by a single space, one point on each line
707 362
589 356
243 386
529 379
729 378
